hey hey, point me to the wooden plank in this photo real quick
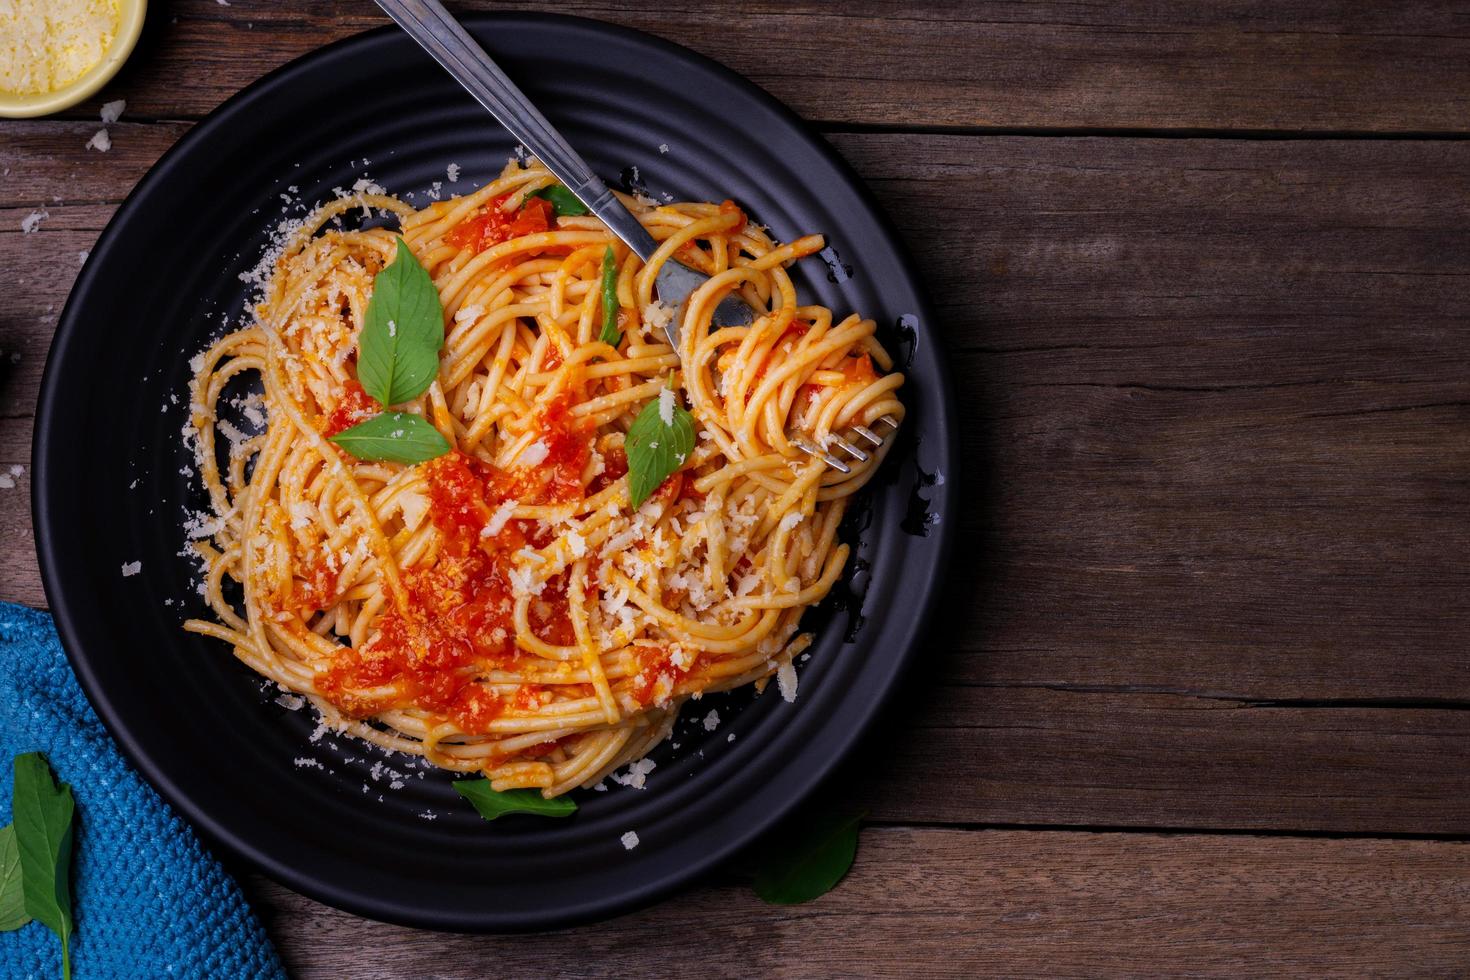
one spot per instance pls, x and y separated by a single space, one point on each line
981 903
1030 755
1306 64
20 576
1214 408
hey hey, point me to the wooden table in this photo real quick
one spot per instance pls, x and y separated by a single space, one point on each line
1201 699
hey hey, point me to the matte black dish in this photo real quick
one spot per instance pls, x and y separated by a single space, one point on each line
109 489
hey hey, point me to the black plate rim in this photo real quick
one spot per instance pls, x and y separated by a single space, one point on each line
940 426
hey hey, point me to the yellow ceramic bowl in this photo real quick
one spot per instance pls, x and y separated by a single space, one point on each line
130 25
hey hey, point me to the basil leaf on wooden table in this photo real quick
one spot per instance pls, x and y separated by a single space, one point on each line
808 861
398 349
12 894
492 804
660 439
43 834
610 334
395 437
563 201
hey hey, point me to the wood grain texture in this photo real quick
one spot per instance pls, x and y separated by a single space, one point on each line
1324 65
1033 756
947 903
1215 427
1216 408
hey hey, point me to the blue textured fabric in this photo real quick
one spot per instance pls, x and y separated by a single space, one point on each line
148 899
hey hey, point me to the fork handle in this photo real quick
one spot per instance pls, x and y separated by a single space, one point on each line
438 33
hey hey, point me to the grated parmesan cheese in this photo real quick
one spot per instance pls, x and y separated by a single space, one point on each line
637 773
452 172
414 507
712 721
533 455
131 568
666 406
498 520
790 521
33 221
630 840
786 680
112 111
100 141
47 46
657 315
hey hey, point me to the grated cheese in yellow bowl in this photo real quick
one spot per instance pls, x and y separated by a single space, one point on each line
54 53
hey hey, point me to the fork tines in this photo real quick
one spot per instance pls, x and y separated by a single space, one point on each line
846 445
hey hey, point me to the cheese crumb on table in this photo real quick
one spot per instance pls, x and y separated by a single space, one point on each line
630 840
131 568
33 221
112 111
100 141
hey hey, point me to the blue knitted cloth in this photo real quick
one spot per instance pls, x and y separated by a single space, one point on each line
148 899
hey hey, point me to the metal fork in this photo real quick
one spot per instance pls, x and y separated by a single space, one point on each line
428 23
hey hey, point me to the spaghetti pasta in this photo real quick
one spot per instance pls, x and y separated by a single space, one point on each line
502 608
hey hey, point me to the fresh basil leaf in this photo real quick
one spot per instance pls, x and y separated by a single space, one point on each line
809 861
43 835
12 895
492 804
398 350
610 333
563 201
657 448
397 437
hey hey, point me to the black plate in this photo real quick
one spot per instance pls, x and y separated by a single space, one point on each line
108 485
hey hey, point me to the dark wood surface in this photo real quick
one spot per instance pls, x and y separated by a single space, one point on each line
1198 702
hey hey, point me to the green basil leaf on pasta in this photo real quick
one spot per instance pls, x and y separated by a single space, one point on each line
395 437
493 805
807 860
43 835
398 349
12 896
659 441
563 201
610 334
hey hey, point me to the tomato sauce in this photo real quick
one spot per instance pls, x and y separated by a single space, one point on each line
655 663
353 407
457 615
728 206
491 226
317 588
